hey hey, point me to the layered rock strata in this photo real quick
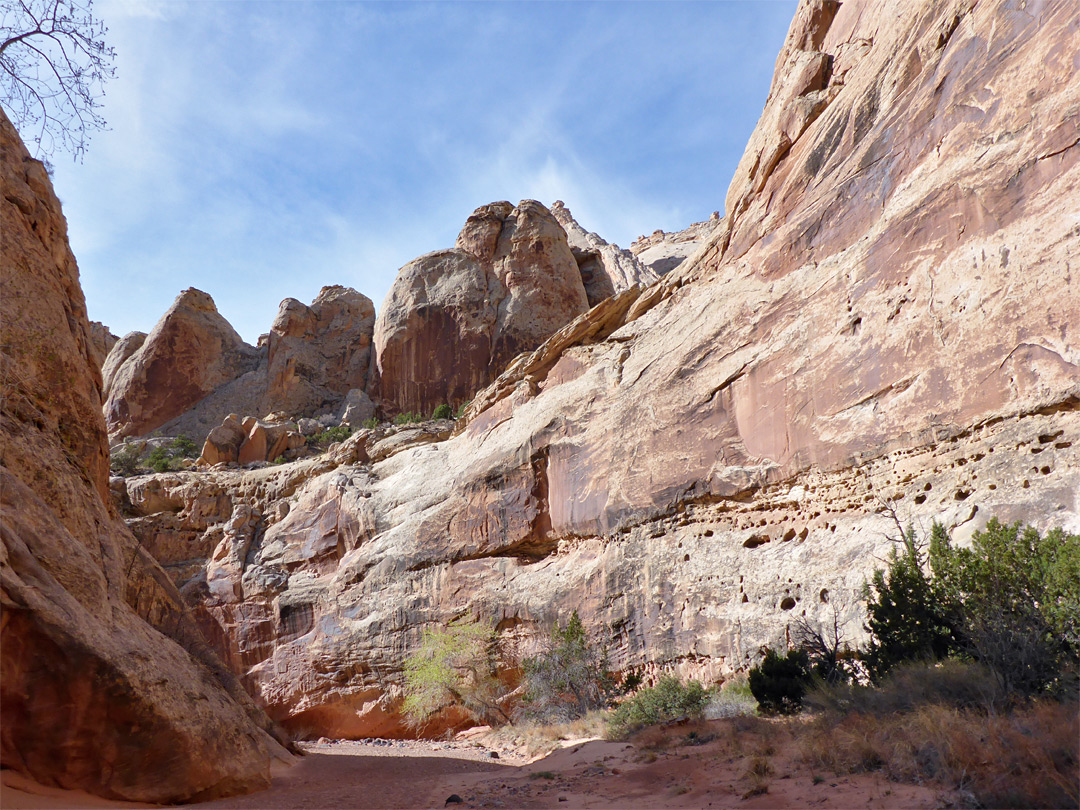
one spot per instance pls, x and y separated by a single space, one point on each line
882 328
106 683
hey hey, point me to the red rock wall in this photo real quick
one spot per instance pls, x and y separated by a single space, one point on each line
105 683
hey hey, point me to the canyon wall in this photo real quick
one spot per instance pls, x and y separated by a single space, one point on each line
106 683
882 328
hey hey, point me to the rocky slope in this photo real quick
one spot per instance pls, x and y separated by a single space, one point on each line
106 683
883 325
663 252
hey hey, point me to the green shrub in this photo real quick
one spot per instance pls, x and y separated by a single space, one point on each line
329 436
460 412
370 424
125 461
456 665
568 677
442 412
185 447
408 418
780 682
669 700
161 460
1011 601
907 615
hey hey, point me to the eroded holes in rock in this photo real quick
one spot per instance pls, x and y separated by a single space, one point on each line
832 528
1045 470
927 486
961 495
993 486
745 598
920 498
755 540
1046 438
787 603
960 462
1063 445
978 457
295 620
1026 484
804 533
686 558
824 595
1036 450
789 535
708 533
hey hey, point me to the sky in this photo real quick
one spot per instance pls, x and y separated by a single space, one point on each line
261 150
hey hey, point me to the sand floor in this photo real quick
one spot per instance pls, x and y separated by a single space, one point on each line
670 768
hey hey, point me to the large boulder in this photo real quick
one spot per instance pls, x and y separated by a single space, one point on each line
117 356
106 683
454 318
318 353
190 352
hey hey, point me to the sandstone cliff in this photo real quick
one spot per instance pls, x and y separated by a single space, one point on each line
884 320
105 681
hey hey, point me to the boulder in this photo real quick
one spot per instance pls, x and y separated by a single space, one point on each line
190 352
318 353
222 444
106 682
356 409
117 356
454 318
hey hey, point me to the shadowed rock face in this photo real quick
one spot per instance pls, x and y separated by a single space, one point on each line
105 681
454 318
605 269
886 315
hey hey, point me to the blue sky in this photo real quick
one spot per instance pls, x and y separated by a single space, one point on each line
261 150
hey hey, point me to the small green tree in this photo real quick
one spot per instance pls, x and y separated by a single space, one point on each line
442 412
1011 602
185 447
1017 596
125 461
779 682
568 676
457 665
908 615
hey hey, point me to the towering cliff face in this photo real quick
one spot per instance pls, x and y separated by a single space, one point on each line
105 681
884 321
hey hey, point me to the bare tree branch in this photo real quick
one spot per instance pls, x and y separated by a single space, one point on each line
53 66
